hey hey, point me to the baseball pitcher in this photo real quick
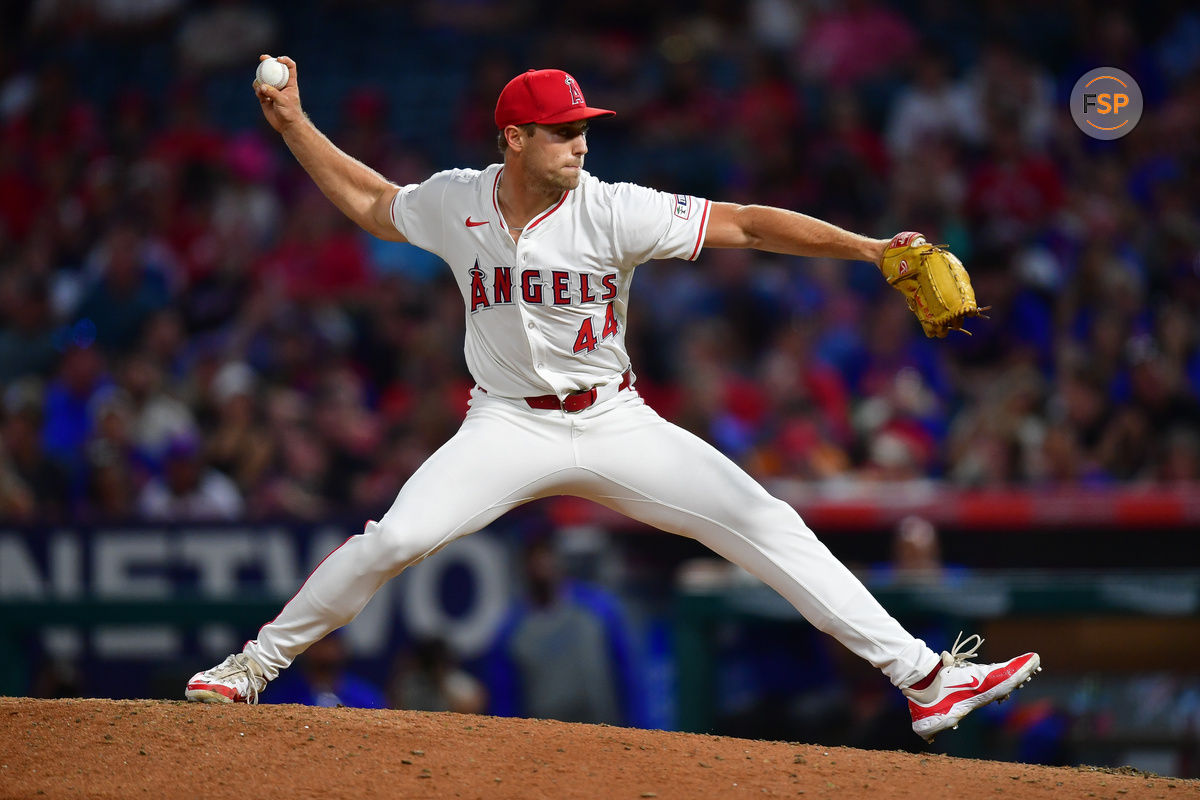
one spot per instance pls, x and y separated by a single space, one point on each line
543 253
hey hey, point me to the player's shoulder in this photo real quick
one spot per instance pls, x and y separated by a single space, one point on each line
615 193
459 176
593 183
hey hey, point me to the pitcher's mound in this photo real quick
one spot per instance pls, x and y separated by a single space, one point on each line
158 749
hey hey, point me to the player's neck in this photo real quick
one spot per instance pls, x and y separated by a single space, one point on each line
521 199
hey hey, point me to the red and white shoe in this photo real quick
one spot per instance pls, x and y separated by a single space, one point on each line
960 687
237 679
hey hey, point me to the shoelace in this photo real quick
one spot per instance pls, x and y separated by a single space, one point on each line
959 654
238 663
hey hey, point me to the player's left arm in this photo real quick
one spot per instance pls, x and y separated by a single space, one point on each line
777 230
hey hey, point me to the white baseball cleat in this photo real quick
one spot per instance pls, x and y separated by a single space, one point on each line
961 687
237 679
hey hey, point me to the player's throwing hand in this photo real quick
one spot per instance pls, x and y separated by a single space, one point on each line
281 107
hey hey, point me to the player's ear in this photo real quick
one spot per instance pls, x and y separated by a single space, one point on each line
515 137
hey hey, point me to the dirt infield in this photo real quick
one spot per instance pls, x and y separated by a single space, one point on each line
129 749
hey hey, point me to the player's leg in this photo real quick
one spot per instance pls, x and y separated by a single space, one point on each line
499 458
660 474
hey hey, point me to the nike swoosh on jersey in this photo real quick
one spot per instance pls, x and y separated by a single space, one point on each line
472 224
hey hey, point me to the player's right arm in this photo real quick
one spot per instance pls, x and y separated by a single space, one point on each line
361 193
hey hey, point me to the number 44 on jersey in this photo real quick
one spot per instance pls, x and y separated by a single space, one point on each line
586 341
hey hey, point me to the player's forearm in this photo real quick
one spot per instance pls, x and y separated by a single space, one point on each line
352 186
777 230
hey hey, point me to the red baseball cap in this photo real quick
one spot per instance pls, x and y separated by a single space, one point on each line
546 96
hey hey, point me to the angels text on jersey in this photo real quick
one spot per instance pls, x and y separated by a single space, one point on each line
494 286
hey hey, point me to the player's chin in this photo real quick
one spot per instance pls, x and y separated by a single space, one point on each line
568 177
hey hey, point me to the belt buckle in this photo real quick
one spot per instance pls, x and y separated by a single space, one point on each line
590 394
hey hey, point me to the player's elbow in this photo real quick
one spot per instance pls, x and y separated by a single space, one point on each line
388 233
377 228
748 218
377 219
748 227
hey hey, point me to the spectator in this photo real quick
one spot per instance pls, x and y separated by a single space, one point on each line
429 678
318 259
128 289
931 107
240 446
111 493
855 41
1014 193
916 558
67 422
1005 91
16 500
113 421
565 652
223 34
851 161
38 487
246 211
188 489
27 344
297 486
156 416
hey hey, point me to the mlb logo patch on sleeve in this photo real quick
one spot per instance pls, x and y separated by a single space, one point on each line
683 206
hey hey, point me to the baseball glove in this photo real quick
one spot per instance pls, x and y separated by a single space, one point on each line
933 281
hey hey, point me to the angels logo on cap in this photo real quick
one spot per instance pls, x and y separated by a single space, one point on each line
576 95
544 96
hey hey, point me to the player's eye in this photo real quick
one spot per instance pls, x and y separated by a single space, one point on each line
568 132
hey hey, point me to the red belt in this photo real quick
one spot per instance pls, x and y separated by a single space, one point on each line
575 401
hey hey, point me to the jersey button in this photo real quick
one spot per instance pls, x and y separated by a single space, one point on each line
540 365
530 326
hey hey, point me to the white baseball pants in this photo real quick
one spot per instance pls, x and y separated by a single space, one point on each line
619 453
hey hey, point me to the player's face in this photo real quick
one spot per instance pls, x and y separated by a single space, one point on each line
556 154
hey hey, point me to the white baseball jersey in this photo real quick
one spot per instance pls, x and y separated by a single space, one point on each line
546 314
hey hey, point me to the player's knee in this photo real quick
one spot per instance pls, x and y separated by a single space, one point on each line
775 517
401 545
785 516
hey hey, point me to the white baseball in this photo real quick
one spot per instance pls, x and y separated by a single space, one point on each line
272 72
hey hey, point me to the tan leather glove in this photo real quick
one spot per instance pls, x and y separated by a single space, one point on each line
933 281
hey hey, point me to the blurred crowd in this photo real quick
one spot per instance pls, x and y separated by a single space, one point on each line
189 330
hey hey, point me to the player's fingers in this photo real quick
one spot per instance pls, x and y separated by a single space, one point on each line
266 91
263 57
291 65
